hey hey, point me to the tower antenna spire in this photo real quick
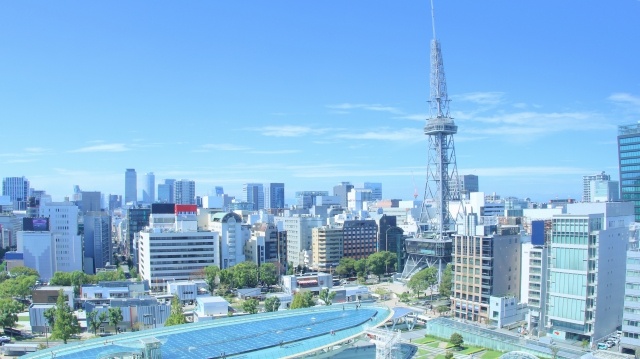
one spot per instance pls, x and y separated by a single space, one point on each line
433 20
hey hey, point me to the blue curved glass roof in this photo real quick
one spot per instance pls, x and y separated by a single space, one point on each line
264 335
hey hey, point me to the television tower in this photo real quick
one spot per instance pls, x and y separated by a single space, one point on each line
431 245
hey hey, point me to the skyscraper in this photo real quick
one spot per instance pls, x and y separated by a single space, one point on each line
628 160
274 195
586 184
130 185
254 193
149 191
184 192
17 188
341 191
376 190
97 241
165 191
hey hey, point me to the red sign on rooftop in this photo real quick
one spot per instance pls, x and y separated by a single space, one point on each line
186 208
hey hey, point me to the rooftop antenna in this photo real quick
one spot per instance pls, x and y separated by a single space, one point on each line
433 22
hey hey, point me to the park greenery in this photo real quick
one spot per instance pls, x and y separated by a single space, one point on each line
302 299
456 340
326 296
272 304
444 289
115 317
18 283
176 317
250 306
377 263
95 320
423 280
242 275
62 320
9 309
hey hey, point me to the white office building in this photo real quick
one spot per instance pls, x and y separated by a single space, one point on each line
299 236
184 192
232 234
585 293
149 190
63 224
178 253
37 249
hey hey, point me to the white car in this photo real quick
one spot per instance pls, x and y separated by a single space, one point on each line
610 343
5 339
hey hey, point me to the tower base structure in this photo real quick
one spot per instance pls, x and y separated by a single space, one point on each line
424 253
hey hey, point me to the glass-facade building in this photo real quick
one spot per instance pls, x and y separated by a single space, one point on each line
629 164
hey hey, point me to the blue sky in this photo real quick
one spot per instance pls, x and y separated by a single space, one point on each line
312 93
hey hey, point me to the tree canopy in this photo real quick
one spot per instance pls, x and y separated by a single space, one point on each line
272 304
444 289
176 315
115 317
245 274
24 271
268 273
9 309
250 306
346 267
381 262
423 280
302 299
66 323
326 296
211 277
456 339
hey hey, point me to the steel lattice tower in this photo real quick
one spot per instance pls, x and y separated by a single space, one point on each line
432 243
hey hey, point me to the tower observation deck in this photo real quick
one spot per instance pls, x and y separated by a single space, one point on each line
431 246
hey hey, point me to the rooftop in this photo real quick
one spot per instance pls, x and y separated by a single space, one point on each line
265 335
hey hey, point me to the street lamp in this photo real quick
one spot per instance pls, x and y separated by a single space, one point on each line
46 332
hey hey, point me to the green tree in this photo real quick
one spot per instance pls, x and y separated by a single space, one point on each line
269 273
379 263
245 274
50 316
448 354
302 299
115 317
9 309
250 306
424 279
346 267
226 277
272 304
211 276
61 278
93 321
290 268
326 296
360 267
18 286
442 309
444 289
404 297
24 271
66 323
456 340
176 315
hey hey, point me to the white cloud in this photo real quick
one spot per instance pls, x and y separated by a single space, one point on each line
481 98
368 107
111 147
385 134
274 152
627 100
223 147
289 131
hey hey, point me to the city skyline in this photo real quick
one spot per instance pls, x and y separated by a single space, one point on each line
314 94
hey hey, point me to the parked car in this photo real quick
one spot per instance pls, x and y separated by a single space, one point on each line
610 343
602 346
5 339
616 340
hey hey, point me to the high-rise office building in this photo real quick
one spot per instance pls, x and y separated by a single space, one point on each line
586 184
165 191
628 161
88 201
341 191
219 191
184 192
130 185
137 219
17 188
63 224
97 241
307 199
376 190
149 191
115 201
586 266
254 193
274 195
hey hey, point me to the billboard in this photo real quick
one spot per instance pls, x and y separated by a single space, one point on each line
36 224
537 233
